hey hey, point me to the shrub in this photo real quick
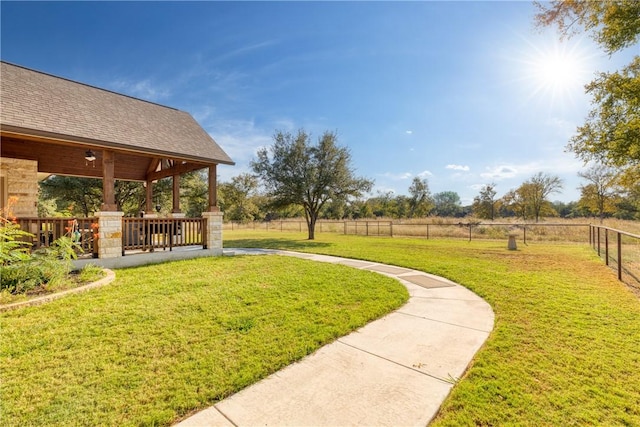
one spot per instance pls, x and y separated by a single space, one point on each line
22 271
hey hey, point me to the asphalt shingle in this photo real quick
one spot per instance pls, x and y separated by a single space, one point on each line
50 105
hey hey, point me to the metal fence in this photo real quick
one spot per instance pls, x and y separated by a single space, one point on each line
578 233
161 233
620 250
46 230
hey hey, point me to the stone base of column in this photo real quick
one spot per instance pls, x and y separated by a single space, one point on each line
110 234
213 236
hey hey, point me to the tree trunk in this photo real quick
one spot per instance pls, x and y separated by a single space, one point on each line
312 217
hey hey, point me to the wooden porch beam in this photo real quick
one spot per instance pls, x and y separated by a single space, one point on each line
149 202
178 169
176 194
108 181
213 189
153 165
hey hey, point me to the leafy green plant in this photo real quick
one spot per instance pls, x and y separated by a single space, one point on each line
22 271
14 242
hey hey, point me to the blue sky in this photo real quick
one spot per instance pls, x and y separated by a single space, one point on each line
460 93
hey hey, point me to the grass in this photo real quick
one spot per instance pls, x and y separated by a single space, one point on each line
565 349
166 340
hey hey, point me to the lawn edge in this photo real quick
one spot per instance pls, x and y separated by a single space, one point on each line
110 277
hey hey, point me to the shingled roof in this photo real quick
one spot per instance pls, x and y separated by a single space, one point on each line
42 105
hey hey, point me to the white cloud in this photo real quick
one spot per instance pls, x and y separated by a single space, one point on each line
458 168
498 173
240 139
424 174
408 132
397 176
143 89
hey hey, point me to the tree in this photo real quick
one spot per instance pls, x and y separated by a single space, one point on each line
613 25
83 196
295 172
628 204
420 202
237 198
599 194
514 204
447 203
568 210
484 204
611 133
359 209
75 196
536 190
194 197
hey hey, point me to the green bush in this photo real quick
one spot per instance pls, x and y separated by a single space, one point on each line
14 242
22 271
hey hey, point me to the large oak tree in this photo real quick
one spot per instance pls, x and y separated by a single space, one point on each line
296 172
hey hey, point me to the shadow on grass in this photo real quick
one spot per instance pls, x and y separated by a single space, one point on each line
286 244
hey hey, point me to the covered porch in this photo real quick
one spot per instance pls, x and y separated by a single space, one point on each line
54 126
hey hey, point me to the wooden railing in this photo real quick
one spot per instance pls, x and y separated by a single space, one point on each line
46 230
161 233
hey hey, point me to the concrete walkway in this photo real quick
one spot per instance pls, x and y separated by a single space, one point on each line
395 371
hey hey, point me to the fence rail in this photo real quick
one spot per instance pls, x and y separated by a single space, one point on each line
470 230
620 250
161 233
47 230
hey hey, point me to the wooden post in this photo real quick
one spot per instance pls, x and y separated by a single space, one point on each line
619 256
176 194
213 189
108 182
606 246
149 204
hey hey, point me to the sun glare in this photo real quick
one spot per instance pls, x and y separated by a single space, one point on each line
557 71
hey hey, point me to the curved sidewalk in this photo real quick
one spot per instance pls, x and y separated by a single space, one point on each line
394 371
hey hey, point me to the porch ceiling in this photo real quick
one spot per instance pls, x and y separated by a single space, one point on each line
60 158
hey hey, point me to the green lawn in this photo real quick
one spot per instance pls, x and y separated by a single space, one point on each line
163 341
565 349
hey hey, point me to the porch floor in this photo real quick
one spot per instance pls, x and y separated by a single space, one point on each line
134 258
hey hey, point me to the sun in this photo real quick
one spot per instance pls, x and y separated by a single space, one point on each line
557 71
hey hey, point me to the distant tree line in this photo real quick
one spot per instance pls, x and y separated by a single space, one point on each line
603 194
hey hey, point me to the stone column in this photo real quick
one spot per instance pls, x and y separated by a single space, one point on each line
110 234
213 235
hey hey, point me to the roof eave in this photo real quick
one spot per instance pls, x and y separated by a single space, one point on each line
44 136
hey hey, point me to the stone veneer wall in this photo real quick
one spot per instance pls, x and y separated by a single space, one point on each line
21 180
213 236
110 234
